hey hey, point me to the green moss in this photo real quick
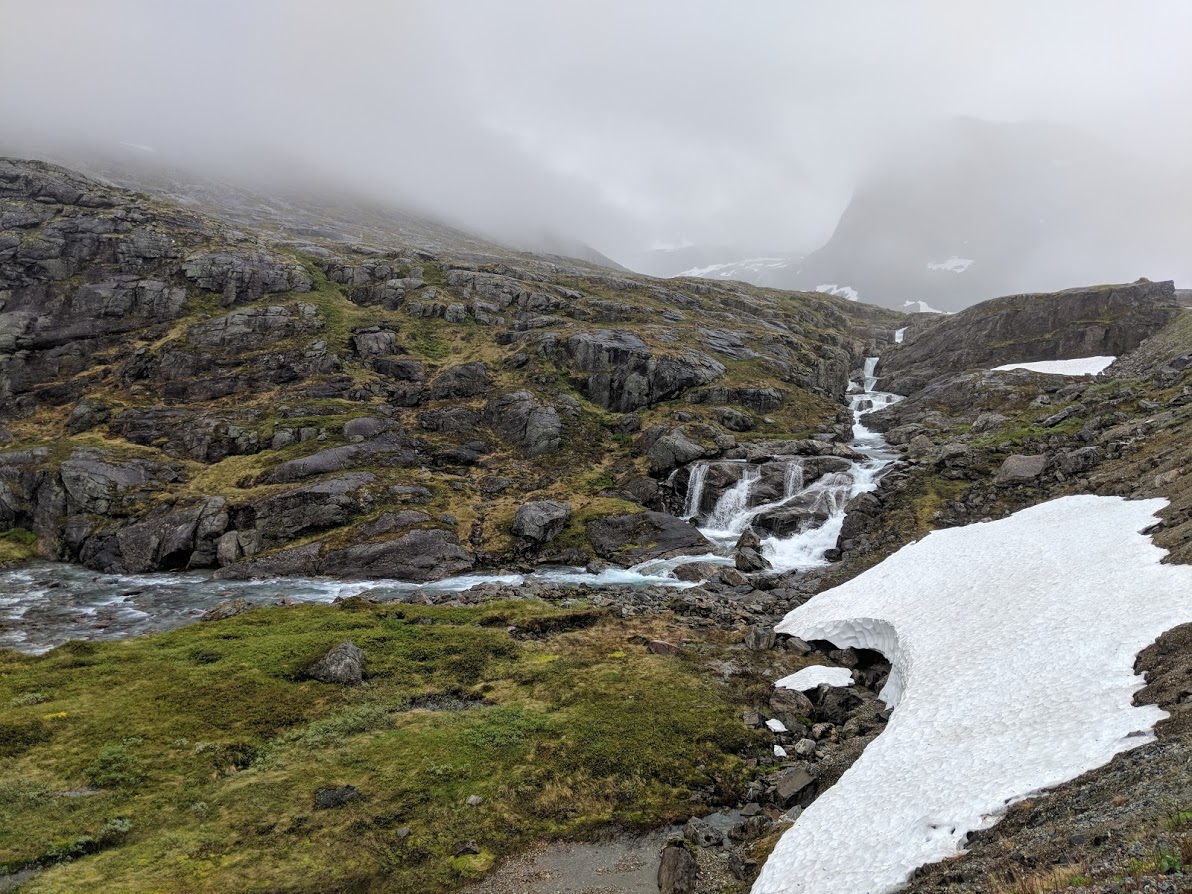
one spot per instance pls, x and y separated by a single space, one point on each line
210 738
17 545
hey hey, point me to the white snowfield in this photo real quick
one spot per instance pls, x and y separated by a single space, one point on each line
1078 366
811 677
1013 645
839 291
952 265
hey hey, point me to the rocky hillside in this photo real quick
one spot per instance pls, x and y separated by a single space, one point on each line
1109 320
180 391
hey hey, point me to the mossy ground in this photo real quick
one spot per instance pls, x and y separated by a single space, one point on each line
207 747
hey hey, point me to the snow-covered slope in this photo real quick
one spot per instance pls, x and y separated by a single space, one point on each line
1013 645
1077 366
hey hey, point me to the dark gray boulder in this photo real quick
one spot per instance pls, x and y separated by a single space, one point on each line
629 539
1020 469
672 450
343 665
421 555
677 870
540 521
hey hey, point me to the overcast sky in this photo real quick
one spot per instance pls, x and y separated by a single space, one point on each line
625 123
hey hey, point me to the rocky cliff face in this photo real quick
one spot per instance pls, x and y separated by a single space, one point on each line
177 391
1107 320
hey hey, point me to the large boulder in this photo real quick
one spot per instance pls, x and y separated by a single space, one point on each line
672 450
343 664
541 521
1020 469
629 539
421 555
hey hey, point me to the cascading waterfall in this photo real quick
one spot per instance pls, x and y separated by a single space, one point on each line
695 490
45 605
732 513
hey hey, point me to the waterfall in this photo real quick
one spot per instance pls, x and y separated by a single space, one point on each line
695 490
792 482
870 378
732 513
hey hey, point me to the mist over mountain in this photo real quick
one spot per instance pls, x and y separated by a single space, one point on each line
969 209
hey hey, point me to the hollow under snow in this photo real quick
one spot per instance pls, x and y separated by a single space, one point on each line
811 677
1013 646
1078 366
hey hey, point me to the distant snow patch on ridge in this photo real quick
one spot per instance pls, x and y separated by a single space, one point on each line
811 677
1078 366
735 268
840 291
1012 646
921 307
953 265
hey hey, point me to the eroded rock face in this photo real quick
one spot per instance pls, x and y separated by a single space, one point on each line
421 555
625 374
520 419
1088 322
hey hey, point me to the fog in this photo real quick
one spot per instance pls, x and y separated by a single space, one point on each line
624 124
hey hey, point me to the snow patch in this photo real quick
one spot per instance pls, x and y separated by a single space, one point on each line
921 307
840 291
1012 646
952 265
1078 366
776 726
812 677
899 334
734 269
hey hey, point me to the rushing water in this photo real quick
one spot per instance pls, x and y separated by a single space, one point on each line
45 604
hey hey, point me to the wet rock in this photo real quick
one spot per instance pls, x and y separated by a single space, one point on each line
343 664
331 797
750 561
701 833
695 572
629 539
677 871
541 521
